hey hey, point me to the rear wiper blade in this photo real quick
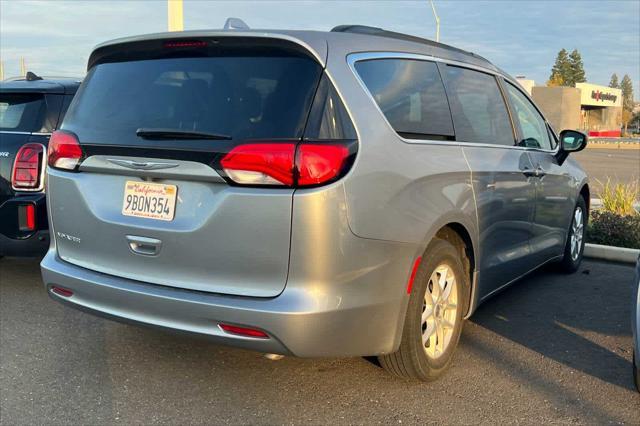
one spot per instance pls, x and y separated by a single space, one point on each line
157 133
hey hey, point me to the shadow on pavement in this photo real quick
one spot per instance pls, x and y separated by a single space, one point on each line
568 318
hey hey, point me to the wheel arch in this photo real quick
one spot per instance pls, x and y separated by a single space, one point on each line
458 234
585 192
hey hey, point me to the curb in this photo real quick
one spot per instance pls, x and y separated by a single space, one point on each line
616 254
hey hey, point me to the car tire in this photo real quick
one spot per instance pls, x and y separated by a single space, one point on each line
574 248
429 360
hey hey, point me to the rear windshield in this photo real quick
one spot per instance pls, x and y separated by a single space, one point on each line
21 112
243 96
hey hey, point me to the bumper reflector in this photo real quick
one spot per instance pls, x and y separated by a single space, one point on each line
414 270
244 331
62 291
27 217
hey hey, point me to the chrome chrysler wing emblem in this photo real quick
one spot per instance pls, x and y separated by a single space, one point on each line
142 165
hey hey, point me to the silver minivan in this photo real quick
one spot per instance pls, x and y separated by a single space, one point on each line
345 193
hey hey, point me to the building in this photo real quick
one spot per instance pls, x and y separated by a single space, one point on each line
601 109
527 84
594 109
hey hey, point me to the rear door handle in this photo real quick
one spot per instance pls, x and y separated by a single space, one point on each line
143 245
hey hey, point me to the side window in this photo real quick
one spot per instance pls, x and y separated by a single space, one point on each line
479 111
533 127
411 95
328 118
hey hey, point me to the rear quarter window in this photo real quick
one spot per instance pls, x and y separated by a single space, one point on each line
21 112
410 94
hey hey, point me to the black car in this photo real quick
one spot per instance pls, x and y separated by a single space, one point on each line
30 109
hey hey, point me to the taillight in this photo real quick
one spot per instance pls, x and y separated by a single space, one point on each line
27 168
260 164
64 151
319 163
282 164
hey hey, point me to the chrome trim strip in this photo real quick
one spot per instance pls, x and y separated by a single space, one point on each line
11 132
356 57
138 165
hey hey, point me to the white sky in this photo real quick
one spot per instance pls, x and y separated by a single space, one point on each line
522 37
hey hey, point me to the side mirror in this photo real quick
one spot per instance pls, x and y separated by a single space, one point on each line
571 141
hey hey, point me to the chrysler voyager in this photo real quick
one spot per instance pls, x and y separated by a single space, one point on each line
344 193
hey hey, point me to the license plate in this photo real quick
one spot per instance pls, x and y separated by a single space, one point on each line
150 200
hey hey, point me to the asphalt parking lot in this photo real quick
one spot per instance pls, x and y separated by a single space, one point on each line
619 165
552 348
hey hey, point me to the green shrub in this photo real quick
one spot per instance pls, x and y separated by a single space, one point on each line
614 230
619 198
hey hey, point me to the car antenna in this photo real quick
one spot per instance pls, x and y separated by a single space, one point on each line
31 76
235 24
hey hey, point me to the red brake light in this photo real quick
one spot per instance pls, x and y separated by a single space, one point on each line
282 164
64 151
27 168
186 43
319 163
244 331
260 164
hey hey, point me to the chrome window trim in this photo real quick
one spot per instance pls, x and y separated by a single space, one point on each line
12 132
352 58
40 187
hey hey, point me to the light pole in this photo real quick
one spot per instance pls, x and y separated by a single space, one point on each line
175 18
435 14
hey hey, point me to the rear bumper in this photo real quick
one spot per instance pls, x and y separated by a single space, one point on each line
305 320
17 242
34 246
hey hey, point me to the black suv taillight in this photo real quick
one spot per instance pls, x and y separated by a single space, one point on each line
27 168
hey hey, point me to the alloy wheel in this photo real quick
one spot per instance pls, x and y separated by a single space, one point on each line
577 233
439 311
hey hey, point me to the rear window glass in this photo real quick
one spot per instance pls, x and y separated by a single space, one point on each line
411 95
479 110
21 112
244 97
